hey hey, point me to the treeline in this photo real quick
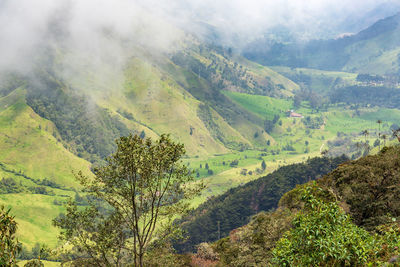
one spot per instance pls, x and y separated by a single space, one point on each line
9 185
220 215
367 95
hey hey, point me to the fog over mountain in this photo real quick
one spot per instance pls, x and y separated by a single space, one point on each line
103 27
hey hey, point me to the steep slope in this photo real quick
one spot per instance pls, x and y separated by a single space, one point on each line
373 50
35 169
366 189
235 207
55 121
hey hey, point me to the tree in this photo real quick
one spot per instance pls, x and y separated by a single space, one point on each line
384 137
263 165
146 186
323 235
365 133
379 132
9 246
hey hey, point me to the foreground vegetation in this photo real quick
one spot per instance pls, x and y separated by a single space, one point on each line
347 218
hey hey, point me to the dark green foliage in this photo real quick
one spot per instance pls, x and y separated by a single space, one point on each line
370 187
270 124
34 263
234 163
144 184
89 130
9 186
322 235
313 122
310 228
252 244
93 235
367 95
235 207
377 142
263 165
369 78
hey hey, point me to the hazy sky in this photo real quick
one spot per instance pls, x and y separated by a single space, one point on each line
104 27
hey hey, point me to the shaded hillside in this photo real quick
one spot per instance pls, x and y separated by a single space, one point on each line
369 187
359 195
373 50
235 207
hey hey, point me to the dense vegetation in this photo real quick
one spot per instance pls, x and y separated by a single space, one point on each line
369 186
219 215
367 95
347 218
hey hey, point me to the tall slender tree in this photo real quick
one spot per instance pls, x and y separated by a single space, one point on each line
146 185
379 132
365 133
384 137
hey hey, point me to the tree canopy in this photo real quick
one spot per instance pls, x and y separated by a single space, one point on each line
142 187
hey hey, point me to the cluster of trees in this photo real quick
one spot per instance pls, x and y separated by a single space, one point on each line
369 78
235 207
221 72
269 125
367 95
313 122
10 186
89 132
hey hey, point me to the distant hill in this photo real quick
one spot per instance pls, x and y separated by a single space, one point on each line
374 50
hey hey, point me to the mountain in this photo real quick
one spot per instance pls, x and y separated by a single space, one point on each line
374 50
64 116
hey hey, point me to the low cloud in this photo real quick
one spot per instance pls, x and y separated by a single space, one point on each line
107 31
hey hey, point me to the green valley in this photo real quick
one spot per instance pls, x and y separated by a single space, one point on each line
94 108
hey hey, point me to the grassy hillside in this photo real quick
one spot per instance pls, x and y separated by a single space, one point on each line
320 81
229 112
31 152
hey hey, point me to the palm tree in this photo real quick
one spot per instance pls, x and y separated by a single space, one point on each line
384 137
379 132
365 133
